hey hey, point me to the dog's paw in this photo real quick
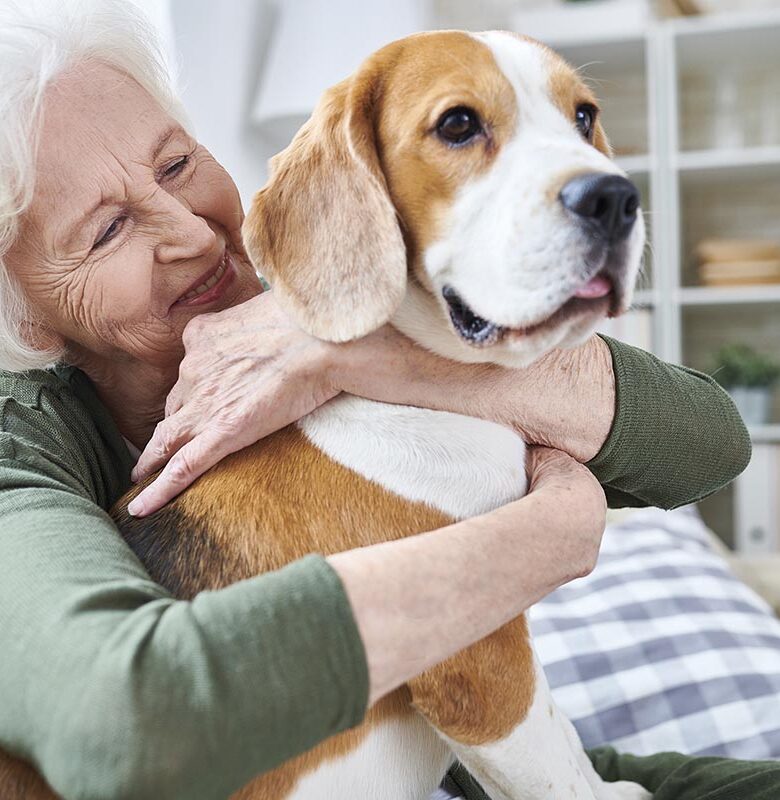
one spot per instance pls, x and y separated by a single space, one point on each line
624 790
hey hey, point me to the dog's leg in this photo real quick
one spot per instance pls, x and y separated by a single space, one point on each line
492 705
533 761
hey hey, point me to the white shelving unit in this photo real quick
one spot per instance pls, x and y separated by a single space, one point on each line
725 181
703 173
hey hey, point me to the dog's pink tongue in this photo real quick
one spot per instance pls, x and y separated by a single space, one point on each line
595 287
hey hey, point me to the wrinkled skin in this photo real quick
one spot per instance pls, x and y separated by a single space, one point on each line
104 287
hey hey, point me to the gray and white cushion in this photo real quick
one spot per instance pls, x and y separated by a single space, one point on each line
662 647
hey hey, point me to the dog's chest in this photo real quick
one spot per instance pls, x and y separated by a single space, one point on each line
458 465
400 759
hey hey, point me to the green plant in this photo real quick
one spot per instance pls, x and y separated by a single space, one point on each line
740 365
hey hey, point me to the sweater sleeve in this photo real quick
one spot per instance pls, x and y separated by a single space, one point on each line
676 438
671 776
112 688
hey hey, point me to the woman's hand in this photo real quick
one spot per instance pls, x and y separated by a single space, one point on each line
247 372
580 500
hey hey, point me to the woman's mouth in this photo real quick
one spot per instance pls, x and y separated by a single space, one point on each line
212 286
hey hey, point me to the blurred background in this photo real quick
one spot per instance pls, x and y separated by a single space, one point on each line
691 98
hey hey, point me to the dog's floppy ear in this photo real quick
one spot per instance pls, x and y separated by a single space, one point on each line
323 230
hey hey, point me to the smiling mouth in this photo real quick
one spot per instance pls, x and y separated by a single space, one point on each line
207 284
597 295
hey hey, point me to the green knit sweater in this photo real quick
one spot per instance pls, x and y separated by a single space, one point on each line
114 689
669 776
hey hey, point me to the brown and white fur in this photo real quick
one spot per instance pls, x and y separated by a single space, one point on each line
367 216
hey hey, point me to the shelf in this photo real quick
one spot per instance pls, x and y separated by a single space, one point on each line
715 42
725 23
746 162
765 434
616 30
726 295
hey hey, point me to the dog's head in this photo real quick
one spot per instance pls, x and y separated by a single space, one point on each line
459 185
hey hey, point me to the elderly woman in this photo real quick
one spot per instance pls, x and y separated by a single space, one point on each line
118 233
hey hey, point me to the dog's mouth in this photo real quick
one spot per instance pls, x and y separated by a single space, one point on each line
598 295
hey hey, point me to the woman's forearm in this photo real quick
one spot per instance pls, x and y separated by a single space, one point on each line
566 400
419 600
222 403
652 433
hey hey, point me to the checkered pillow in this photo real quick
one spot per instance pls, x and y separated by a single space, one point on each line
662 648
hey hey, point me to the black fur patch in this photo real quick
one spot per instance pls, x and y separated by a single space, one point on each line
178 552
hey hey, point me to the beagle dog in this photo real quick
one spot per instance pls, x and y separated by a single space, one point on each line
460 187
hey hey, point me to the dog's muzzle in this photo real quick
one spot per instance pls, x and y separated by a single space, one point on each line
605 207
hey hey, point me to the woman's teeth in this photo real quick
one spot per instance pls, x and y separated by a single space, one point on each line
206 285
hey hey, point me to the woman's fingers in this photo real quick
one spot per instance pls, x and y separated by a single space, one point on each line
169 436
186 466
173 402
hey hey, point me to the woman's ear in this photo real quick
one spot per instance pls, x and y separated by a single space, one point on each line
323 230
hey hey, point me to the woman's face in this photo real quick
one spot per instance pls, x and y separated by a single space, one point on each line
133 230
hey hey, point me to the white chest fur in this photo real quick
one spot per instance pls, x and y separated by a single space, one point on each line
401 759
459 465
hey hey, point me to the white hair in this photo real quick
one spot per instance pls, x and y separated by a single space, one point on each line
39 39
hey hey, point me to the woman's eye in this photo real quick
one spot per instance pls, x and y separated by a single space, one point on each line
110 232
458 125
585 119
174 169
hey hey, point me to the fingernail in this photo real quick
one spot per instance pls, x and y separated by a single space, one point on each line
134 476
136 508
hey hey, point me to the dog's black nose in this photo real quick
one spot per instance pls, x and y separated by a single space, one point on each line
606 203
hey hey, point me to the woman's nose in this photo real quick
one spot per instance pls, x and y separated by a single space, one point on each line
183 235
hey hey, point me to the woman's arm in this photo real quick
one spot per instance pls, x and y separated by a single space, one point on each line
652 433
566 400
466 580
672 776
115 689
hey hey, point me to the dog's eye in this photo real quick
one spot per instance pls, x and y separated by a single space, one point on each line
585 119
458 125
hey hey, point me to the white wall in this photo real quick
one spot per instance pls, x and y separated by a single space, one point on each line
220 48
